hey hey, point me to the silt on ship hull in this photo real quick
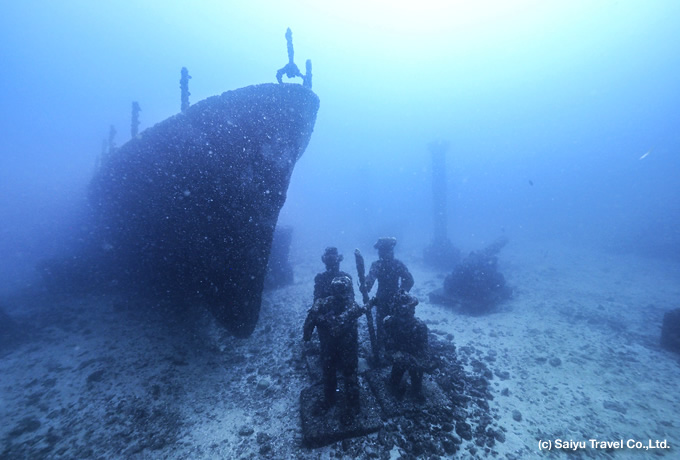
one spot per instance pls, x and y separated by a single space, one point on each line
189 206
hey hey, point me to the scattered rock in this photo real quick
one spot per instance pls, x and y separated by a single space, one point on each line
503 375
371 452
246 430
498 435
464 430
265 449
516 415
449 446
96 376
615 406
25 425
555 362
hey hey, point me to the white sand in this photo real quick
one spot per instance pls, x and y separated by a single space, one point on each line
105 377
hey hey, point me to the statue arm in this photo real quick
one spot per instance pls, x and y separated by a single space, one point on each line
352 313
310 322
351 279
371 277
412 301
317 287
407 281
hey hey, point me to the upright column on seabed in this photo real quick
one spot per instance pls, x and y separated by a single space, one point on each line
438 150
441 253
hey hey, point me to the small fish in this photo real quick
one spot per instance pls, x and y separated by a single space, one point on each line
531 182
646 153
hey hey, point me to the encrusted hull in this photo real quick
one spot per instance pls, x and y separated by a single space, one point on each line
189 206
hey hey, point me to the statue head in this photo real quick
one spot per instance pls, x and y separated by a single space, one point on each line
331 258
385 247
341 286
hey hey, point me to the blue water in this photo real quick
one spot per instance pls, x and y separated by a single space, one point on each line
562 119
567 96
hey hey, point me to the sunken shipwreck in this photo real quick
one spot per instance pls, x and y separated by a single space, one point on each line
186 210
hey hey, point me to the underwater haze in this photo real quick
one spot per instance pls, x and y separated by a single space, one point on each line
562 117
146 310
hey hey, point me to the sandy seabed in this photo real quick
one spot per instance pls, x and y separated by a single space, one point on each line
575 357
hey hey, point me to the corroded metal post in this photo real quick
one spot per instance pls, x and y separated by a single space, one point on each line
441 252
438 150
291 70
184 86
134 125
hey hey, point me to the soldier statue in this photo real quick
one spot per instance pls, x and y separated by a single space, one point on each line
391 275
406 343
335 318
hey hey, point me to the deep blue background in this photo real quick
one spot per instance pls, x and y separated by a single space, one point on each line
565 95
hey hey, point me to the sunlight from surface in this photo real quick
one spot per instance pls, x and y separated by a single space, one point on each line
413 26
